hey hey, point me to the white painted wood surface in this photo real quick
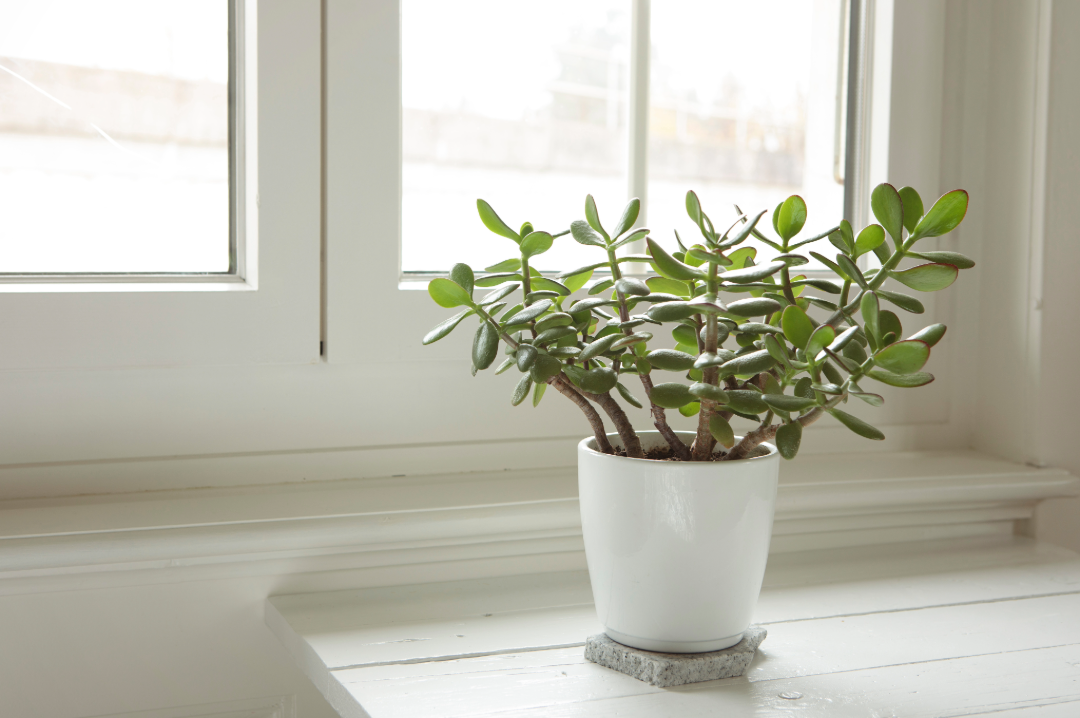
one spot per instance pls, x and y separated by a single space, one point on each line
981 626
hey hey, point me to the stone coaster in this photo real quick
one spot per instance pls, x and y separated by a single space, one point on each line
675 669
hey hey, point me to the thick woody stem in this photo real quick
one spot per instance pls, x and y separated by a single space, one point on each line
681 450
566 389
630 439
764 433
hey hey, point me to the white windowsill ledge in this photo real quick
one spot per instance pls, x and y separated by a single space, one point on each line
981 626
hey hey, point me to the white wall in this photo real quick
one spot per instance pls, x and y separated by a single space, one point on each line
1057 422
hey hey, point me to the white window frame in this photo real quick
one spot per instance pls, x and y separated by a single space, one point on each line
78 420
65 321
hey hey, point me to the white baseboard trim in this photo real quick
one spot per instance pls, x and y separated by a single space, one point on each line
394 531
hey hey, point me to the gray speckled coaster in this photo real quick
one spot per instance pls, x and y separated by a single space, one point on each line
675 669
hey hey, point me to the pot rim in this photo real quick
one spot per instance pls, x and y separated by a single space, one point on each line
584 444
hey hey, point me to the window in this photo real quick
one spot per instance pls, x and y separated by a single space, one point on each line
114 137
528 106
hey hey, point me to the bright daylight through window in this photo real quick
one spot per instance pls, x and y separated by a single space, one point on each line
525 105
114 136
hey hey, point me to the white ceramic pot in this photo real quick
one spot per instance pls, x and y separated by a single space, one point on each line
676 549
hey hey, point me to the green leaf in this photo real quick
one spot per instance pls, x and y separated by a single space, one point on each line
558 319
491 297
630 398
494 223
741 257
721 431
635 338
791 218
685 335
871 310
857 425
671 395
788 438
888 323
593 216
752 274
668 286
526 356
634 236
671 267
588 304
672 311
792 260
804 387
598 346
584 234
757 328
844 339
690 409
821 338
871 399
521 390
906 381
485 345
943 217
851 270
552 335
831 372
507 363
954 258
670 360
536 243
493 280
908 304
629 216
544 368
546 283
906 357
632 286
797 326
745 401
448 294
786 402
751 363
823 284
707 391
754 307
445 327
913 208
576 281
581 270
693 207
462 275
927 277
538 393
889 209
601 287
869 240
707 359
529 313
507 265
931 334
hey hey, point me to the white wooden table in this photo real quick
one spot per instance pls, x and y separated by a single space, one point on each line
984 626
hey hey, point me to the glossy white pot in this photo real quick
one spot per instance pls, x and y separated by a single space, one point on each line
676 549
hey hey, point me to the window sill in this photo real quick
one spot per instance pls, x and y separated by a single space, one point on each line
58 284
972 627
418 529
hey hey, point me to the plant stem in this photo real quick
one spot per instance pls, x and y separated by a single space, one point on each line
789 293
704 443
565 388
658 414
618 417
764 433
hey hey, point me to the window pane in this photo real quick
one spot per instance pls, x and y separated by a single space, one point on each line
743 110
114 128
521 104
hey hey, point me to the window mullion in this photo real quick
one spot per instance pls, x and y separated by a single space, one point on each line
638 119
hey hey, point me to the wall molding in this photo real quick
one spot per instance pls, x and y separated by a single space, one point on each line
415 529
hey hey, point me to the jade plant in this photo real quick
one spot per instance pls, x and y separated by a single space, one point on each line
750 340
